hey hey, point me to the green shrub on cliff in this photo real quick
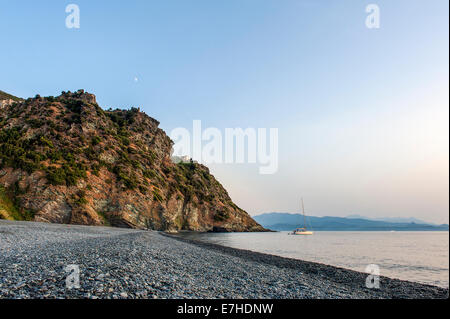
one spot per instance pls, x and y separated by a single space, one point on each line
65 175
9 209
6 96
221 216
157 196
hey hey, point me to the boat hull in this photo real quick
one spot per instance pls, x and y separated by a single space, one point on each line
302 233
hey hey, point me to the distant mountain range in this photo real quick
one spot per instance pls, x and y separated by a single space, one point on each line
287 221
393 219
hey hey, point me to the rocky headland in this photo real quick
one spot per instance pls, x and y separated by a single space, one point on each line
66 160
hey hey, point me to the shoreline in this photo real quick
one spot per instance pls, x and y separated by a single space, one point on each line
398 288
133 264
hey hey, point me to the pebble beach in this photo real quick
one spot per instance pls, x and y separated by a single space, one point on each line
117 263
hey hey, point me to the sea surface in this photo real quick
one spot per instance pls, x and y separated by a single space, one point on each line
415 256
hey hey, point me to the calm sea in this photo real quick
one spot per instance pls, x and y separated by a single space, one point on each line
414 256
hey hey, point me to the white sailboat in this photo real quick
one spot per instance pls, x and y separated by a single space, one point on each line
303 230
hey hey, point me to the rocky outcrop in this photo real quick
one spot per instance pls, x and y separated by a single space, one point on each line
66 160
4 103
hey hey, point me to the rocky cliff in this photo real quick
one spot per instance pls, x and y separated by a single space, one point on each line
66 160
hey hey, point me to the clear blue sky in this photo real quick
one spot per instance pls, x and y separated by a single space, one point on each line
362 113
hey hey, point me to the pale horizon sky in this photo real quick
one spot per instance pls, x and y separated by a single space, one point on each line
362 113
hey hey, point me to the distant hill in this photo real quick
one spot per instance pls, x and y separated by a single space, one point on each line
287 221
394 219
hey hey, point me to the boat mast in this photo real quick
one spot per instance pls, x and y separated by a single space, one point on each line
303 210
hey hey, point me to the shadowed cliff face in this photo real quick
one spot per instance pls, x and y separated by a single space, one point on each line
65 160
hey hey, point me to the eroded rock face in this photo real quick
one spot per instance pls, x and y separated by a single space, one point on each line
4 103
65 160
